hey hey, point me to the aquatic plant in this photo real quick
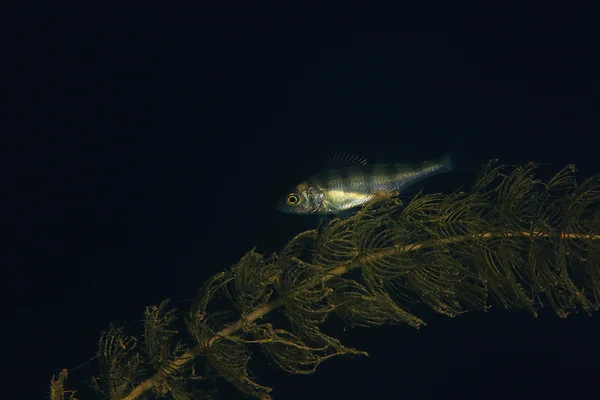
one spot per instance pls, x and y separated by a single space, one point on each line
512 240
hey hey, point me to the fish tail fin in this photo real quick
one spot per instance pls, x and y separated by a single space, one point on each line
447 162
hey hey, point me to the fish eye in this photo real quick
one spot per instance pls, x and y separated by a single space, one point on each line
293 199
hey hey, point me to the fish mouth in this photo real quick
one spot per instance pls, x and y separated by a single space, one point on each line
283 207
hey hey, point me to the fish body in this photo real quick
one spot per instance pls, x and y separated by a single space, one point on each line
344 189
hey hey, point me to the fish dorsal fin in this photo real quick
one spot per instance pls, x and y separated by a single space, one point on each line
339 160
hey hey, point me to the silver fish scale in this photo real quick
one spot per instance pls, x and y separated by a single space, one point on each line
346 188
374 178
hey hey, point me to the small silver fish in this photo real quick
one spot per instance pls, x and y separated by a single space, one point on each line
341 190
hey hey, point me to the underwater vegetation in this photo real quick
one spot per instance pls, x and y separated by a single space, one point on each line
512 240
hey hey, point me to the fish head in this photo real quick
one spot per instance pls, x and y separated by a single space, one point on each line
302 199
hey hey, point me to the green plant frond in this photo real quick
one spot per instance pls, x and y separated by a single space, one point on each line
562 182
230 360
291 353
328 346
158 335
512 240
515 194
335 245
358 305
205 317
251 280
506 276
304 292
488 173
583 201
305 295
300 246
119 363
342 239
458 215
57 387
180 394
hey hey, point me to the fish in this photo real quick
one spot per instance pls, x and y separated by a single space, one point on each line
343 190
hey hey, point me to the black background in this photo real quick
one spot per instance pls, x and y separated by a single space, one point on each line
145 148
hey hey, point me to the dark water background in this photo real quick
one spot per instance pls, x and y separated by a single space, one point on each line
146 148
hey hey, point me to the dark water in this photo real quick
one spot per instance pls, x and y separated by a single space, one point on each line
147 148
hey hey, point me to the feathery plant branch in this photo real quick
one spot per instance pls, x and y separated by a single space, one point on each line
513 239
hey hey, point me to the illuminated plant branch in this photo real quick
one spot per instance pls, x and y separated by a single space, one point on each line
522 242
339 270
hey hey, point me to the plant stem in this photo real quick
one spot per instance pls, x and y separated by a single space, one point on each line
341 269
